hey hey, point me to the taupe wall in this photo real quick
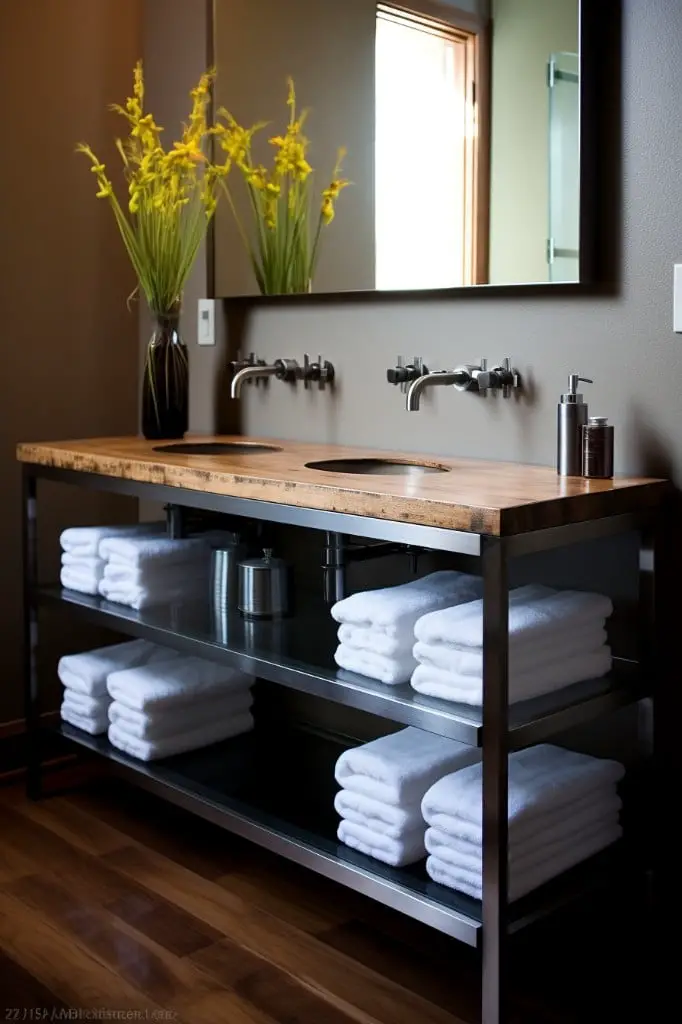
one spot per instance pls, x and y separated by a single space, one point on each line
69 345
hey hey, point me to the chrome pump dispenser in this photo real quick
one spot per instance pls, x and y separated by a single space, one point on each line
571 417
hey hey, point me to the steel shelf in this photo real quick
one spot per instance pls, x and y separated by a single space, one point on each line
297 653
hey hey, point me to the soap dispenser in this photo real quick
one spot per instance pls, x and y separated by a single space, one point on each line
571 416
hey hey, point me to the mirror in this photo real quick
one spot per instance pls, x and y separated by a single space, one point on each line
461 125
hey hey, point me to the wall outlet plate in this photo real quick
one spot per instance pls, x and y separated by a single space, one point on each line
206 322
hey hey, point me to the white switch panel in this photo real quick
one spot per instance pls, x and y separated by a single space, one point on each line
677 299
206 322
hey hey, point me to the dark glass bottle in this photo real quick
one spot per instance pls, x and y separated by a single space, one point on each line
165 383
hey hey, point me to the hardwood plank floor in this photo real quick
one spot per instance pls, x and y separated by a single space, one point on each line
110 899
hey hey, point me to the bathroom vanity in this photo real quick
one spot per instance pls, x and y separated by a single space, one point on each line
482 514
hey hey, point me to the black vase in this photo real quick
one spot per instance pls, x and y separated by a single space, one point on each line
165 385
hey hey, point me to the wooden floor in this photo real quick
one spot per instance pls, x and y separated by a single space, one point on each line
110 900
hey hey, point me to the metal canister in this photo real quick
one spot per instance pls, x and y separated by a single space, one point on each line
225 572
597 448
264 587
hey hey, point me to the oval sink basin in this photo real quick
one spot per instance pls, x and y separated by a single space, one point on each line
216 448
376 467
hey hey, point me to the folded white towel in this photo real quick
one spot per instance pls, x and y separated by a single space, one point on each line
384 818
396 852
157 574
375 640
523 685
154 594
468 661
392 671
82 704
394 610
541 779
533 612
87 672
603 803
142 552
174 684
193 739
85 540
92 724
172 721
86 563
534 873
398 769
85 581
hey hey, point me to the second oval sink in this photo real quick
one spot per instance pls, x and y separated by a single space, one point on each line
376 467
216 448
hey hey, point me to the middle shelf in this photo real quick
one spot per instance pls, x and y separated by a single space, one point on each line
297 652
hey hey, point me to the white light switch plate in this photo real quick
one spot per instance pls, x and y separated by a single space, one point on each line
206 322
677 298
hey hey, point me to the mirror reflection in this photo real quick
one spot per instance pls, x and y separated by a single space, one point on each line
459 121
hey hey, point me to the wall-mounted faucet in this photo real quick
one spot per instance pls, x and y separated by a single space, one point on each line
465 378
287 370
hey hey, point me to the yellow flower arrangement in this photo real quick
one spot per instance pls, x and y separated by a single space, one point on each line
282 247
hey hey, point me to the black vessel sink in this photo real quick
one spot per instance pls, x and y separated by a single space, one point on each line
216 448
376 467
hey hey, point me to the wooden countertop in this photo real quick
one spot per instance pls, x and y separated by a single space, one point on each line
496 498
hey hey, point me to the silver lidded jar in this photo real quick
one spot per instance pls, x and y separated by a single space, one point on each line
264 587
597 446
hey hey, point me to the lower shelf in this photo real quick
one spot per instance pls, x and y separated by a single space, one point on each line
290 811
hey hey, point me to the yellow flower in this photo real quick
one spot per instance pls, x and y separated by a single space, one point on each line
327 210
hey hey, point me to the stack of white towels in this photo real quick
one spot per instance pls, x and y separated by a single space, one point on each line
86 700
563 808
82 563
376 631
556 638
146 571
383 783
166 708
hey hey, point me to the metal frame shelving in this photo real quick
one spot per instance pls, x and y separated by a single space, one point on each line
296 655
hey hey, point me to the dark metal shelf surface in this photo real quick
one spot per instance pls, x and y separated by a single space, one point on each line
298 653
291 813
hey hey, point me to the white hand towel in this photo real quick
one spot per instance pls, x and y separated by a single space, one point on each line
180 682
85 540
394 610
81 704
532 614
152 596
85 581
524 685
193 739
374 640
468 661
396 852
87 672
86 563
603 803
141 552
392 671
398 769
534 874
171 721
541 779
157 574
95 725
383 818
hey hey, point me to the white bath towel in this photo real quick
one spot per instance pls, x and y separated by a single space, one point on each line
157 574
95 725
534 612
145 750
375 640
468 661
172 721
525 878
394 610
85 540
541 779
174 684
523 685
143 552
86 563
154 594
398 769
392 671
87 672
396 852
373 814
82 704
85 581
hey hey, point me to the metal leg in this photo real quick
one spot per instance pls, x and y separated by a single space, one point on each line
174 525
495 744
334 567
31 685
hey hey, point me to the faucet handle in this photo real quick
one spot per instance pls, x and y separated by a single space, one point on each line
404 373
322 371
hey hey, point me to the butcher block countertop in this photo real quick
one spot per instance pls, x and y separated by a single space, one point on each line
495 498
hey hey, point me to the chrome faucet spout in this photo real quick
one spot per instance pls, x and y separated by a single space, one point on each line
248 373
459 378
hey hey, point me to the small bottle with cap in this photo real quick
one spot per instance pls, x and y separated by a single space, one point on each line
571 417
597 448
